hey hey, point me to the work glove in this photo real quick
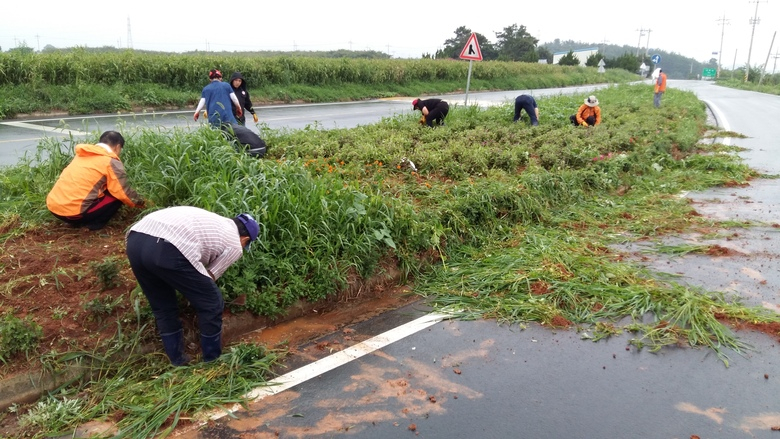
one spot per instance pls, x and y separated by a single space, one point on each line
584 123
254 116
239 112
196 116
422 120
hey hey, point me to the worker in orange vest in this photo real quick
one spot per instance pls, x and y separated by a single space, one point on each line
660 88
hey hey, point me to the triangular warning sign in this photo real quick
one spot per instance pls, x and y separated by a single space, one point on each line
471 50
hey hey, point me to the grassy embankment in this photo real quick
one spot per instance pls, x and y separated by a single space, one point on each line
79 82
519 218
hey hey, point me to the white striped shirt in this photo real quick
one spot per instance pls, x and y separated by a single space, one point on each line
209 241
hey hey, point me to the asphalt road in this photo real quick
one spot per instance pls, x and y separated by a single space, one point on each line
409 373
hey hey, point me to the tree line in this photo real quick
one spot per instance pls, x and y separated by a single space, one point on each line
515 43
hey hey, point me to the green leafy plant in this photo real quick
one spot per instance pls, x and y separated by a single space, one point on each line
18 335
107 272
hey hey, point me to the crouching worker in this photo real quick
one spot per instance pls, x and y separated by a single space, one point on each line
92 188
433 110
251 143
589 113
187 249
220 101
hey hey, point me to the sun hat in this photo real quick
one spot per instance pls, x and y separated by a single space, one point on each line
251 225
591 101
214 73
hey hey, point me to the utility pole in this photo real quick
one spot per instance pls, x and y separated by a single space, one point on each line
723 22
639 43
754 21
604 45
777 55
129 34
763 71
647 44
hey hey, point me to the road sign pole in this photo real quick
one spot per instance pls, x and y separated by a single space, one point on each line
468 82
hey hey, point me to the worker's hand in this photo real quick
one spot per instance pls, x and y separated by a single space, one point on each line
240 112
196 116
254 116
584 123
422 120
205 114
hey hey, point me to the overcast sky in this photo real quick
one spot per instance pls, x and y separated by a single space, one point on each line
403 28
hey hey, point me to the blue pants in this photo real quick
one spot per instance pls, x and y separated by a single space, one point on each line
161 270
527 103
657 99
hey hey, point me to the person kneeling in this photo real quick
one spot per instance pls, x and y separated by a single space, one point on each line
589 113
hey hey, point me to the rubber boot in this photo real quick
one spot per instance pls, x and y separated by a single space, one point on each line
211 345
174 347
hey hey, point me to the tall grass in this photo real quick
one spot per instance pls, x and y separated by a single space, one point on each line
81 82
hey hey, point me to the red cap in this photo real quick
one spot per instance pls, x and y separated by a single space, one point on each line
414 104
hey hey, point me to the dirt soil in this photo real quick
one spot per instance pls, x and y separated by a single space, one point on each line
49 275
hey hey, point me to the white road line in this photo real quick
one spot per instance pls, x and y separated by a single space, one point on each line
43 128
721 120
331 362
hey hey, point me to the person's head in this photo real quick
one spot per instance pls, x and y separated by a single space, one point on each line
215 74
248 229
236 79
591 101
114 140
415 104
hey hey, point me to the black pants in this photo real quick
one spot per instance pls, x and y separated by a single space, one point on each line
590 120
161 270
248 139
97 216
437 114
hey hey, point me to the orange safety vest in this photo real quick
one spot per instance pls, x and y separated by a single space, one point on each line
660 83
93 171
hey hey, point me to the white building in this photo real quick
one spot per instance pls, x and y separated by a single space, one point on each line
580 54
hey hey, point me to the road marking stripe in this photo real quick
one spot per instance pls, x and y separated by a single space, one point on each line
721 119
31 126
331 362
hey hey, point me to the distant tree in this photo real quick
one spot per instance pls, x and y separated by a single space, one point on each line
569 60
22 48
515 43
593 60
544 53
531 56
49 48
626 61
427 56
453 46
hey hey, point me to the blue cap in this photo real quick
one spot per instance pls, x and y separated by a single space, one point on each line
251 225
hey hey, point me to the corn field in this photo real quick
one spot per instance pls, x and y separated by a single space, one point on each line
187 71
